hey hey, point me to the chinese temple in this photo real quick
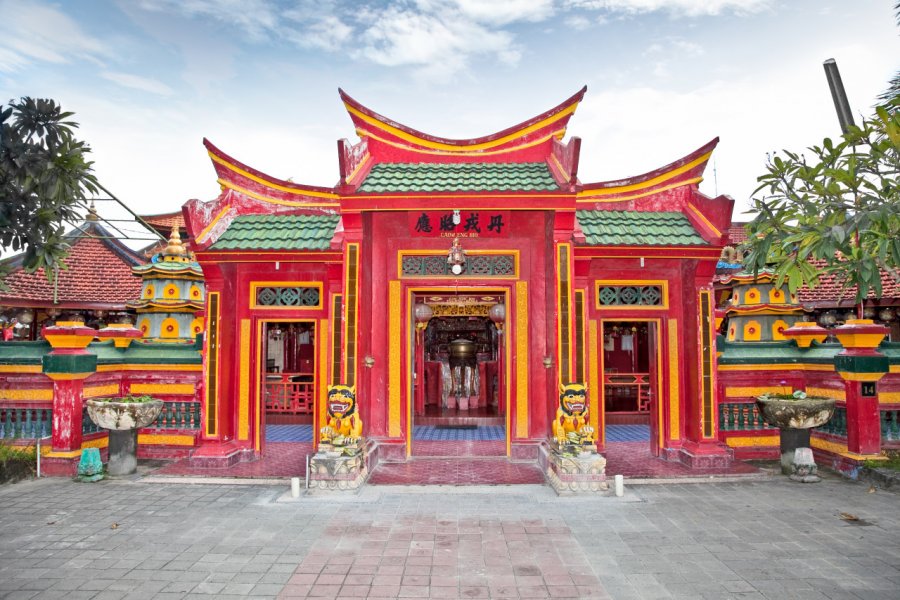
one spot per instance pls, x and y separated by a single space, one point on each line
447 282
446 299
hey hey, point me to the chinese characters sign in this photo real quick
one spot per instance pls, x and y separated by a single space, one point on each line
459 223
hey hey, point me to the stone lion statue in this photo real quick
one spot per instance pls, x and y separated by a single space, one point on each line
571 423
341 420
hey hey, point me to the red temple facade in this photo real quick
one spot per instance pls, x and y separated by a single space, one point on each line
428 244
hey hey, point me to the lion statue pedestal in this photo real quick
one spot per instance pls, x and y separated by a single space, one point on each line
340 463
572 463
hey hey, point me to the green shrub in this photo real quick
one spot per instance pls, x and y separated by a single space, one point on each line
16 462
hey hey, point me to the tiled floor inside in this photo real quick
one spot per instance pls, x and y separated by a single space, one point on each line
435 433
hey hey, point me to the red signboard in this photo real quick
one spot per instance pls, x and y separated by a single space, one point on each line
459 223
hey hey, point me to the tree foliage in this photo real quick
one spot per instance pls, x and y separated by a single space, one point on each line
834 210
44 174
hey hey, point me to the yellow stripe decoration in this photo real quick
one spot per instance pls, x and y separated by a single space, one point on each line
883 397
753 392
842 450
165 440
27 395
268 184
594 376
20 369
521 359
244 383
394 359
650 182
465 148
269 199
322 379
752 442
171 389
100 391
828 393
674 383
703 218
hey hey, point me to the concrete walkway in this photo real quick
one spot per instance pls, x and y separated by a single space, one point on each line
751 539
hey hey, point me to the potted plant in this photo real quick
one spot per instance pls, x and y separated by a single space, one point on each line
123 417
794 415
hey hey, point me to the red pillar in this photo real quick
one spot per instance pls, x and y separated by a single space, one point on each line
861 367
68 399
863 419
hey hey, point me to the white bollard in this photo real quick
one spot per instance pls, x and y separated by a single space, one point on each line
295 487
620 485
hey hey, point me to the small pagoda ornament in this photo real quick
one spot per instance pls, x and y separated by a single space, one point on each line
172 293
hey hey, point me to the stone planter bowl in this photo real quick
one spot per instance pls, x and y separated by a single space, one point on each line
793 413
123 416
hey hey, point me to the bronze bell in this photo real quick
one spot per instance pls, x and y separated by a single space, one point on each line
462 349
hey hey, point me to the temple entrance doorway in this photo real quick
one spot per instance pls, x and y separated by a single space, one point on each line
288 383
630 387
459 404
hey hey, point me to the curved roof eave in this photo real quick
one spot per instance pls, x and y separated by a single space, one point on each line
557 116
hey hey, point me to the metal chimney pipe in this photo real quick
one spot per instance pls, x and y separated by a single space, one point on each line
841 105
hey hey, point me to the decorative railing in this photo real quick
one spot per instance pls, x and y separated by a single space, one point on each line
890 425
741 416
837 425
289 393
627 389
88 426
178 415
25 423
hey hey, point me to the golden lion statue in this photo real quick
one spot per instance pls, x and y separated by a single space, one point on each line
571 423
342 424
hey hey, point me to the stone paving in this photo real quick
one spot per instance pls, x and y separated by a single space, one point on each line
750 539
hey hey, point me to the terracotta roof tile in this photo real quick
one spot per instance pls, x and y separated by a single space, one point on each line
166 220
98 273
829 290
736 233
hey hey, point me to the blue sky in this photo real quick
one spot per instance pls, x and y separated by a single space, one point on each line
148 79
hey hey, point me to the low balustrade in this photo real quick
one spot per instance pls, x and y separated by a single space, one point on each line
178 415
837 425
741 416
289 393
890 425
87 425
25 423
627 392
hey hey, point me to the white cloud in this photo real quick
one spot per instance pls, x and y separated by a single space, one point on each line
441 43
690 8
136 82
33 31
437 38
503 13
327 33
577 22
255 17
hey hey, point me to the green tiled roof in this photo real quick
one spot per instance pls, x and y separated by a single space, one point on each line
458 177
278 232
630 228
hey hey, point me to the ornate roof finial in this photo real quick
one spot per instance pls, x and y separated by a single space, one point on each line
92 213
175 247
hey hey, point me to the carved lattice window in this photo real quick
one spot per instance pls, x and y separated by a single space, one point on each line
298 296
630 295
476 265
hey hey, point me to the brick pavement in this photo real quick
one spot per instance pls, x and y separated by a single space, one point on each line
753 539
